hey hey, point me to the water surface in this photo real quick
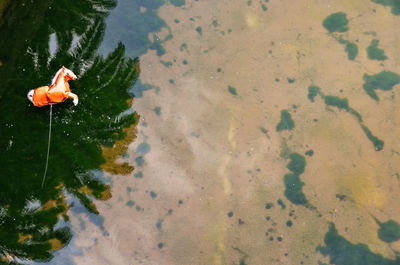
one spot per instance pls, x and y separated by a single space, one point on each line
263 137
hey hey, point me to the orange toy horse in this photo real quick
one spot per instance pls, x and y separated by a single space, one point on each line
57 92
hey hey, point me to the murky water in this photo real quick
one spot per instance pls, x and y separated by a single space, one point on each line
262 132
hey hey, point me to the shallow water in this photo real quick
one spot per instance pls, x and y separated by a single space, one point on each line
264 136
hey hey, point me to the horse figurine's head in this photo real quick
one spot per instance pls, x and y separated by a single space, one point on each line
68 74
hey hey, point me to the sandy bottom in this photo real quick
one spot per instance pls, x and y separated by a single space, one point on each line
205 168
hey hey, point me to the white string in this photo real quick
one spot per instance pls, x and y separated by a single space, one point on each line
48 146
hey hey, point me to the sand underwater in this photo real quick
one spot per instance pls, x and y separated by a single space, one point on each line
269 134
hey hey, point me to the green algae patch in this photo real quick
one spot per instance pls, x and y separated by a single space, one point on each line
384 80
286 123
313 91
232 90
309 152
138 175
130 203
285 150
183 47
178 2
166 64
389 231
336 22
157 110
394 4
352 50
378 143
153 195
294 189
269 205
199 30
341 103
264 7
159 224
341 197
355 114
293 184
343 252
281 203
297 163
374 53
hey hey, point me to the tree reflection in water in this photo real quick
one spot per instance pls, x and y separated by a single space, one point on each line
29 214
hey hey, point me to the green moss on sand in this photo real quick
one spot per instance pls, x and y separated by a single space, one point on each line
313 91
336 22
374 53
286 122
385 80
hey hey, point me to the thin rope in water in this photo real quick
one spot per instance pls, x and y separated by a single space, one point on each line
48 146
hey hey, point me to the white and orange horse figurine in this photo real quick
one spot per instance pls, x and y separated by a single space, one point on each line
57 92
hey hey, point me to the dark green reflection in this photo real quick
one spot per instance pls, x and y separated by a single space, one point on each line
134 29
29 213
